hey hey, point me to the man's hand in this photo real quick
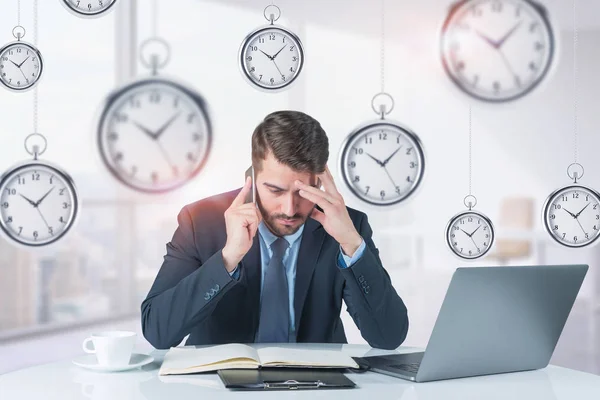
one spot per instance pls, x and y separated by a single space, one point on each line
241 221
334 218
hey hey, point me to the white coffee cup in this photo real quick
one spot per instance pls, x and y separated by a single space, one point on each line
112 348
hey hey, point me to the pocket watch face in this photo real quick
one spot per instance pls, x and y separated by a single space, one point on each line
497 50
88 8
382 163
20 66
38 204
470 235
271 57
572 216
154 135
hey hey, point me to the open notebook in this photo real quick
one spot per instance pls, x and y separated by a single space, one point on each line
187 360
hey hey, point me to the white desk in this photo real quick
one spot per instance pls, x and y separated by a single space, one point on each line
65 381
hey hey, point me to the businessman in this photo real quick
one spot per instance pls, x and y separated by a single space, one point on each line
277 270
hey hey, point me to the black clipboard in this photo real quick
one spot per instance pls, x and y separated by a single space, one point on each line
284 379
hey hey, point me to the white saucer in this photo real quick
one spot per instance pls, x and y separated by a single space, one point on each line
90 361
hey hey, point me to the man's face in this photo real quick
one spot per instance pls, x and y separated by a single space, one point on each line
282 208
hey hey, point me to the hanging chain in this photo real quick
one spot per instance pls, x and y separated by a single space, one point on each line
18 12
470 152
35 89
154 18
382 47
575 121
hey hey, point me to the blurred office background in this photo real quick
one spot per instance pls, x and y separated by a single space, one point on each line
96 278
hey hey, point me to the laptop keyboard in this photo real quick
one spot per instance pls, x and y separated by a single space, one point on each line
410 367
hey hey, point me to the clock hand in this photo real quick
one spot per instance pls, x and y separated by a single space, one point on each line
487 39
465 232
500 42
572 215
475 230
585 233
37 203
14 63
145 130
508 66
30 201
390 157
270 58
165 155
275 55
166 125
23 73
47 226
23 62
376 160
273 59
388 174
579 213
473 240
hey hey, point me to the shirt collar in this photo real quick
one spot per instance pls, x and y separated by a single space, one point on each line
269 237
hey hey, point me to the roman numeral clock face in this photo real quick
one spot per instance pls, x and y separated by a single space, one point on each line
38 204
572 216
154 135
497 50
271 58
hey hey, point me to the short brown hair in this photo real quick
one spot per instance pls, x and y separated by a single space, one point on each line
295 139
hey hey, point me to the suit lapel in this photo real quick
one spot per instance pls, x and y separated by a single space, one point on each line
253 268
310 247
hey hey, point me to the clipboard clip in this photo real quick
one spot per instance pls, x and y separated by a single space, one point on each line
292 384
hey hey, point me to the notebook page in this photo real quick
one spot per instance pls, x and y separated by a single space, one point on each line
306 357
182 358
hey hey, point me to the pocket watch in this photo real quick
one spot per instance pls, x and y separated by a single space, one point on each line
38 201
154 134
571 214
88 8
21 63
497 50
271 57
382 161
470 234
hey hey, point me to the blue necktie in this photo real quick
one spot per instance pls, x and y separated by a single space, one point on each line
273 326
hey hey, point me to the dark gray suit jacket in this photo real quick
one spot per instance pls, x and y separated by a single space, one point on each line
194 294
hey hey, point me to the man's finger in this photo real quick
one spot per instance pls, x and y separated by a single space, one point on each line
247 207
258 215
248 214
319 200
254 227
318 216
328 183
239 200
317 192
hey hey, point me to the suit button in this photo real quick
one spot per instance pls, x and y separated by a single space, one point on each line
206 296
212 292
364 284
361 279
216 286
367 289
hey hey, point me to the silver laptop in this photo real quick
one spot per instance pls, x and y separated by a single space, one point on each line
493 320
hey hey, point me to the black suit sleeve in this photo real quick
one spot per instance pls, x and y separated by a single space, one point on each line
185 290
371 300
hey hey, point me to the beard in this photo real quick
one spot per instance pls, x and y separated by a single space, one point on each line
272 221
